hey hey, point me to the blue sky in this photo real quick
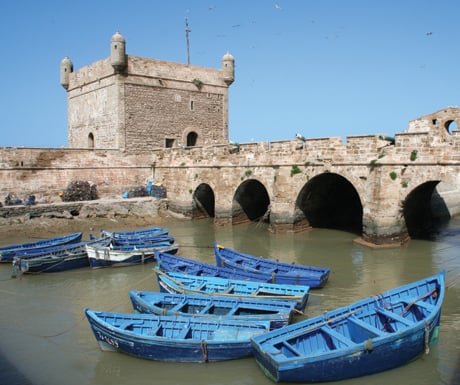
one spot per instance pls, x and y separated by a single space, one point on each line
321 68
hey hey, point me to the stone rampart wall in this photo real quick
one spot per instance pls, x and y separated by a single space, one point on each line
383 174
357 150
45 172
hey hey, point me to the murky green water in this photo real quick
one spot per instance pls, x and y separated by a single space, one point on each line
45 336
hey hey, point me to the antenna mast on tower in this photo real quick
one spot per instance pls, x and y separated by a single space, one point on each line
187 31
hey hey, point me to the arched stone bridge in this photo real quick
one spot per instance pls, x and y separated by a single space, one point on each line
385 190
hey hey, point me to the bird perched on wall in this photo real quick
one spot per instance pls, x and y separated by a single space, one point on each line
300 137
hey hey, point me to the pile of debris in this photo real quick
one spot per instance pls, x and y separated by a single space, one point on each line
12 200
136 192
80 191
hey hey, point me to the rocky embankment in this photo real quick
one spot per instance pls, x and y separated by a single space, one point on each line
140 208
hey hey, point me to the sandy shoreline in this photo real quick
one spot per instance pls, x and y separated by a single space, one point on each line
43 228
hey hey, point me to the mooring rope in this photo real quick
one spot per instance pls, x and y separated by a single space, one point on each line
204 350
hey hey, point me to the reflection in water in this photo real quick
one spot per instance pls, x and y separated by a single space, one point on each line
45 335
113 368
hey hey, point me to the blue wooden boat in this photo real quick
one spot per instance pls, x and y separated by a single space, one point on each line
55 259
117 256
7 253
279 313
171 338
279 272
170 262
151 231
172 282
369 336
142 240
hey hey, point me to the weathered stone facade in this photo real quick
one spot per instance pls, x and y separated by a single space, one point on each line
45 172
137 104
440 121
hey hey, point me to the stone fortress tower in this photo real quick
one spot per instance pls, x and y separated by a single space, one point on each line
136 104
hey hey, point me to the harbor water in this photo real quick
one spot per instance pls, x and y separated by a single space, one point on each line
45 338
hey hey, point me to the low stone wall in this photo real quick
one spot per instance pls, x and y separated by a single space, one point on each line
45 172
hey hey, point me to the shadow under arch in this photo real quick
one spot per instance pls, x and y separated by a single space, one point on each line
424 211
203 202
250 202
330 201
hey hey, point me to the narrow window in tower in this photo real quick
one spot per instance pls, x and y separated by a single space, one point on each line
192 138
90 140
191 105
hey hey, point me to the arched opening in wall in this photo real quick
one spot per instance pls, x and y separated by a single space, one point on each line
424 211
451 126
331 201
203 202
250 203
90 140
192 139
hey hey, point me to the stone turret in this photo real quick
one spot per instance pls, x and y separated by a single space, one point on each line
228 68
118 52
66 69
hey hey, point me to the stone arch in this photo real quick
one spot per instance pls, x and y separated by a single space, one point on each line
330 201
423 210
251 202
203 205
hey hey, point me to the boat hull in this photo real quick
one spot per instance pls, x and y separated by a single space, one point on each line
271 271
151 231
143 240
54 265
174 263
197 341
370 336
278 313
356 363
56 259
126 256
188 284
7 253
